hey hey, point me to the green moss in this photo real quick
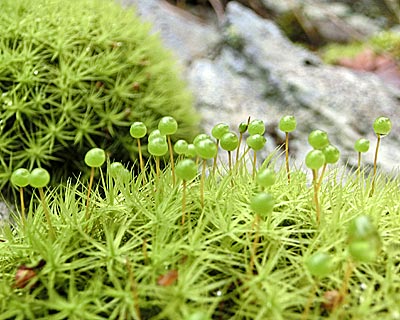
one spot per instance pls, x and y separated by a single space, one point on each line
384 42
387 42
333 52
74 75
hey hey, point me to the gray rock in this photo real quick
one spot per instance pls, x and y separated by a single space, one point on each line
254 70
5 211
188 36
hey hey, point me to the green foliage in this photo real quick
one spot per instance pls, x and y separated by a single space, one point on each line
383 42
334 51
110 265
74 75
130 253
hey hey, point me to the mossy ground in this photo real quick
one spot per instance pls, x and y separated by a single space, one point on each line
74 75
133 255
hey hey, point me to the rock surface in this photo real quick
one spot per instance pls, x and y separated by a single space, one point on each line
247 67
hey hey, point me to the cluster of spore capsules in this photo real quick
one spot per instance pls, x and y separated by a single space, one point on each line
363 237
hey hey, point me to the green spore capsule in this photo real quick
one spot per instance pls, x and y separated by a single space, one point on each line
382 125
266 177
206 149
361 145
256 126
200 137
39 178
229 141
186 169
181 147
168 125
219 130
20 177
156 134
262 204
116 169
138 130
287 124
318 139
363 251
243 127
256 142
95 157
191 151
319 264
315 159
331 153
158 146
362 228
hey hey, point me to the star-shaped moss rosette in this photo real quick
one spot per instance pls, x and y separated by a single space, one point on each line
76 74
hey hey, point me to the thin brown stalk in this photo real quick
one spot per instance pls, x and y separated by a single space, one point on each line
254 164
183 201
133 285
375 164
321 176
88 194
215 159
47 214
171 157
202 178
287 156
317 208
21 198
306 311
256 224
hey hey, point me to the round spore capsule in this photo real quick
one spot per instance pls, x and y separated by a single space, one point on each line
157 147
363 251
200 137
266 177
315 159
361 228
229 141
318 139
156 134
382 125
115 169
206 149
243 127
181 147
191 151
361 145
186 169
262 203
39 178
198 315
138 130
319 264
95 157
287 124
219 130
331 153
256 142
256 126
168 125
20 177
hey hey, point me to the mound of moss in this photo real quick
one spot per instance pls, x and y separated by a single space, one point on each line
74 75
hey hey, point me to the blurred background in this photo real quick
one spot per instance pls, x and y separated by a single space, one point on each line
332 64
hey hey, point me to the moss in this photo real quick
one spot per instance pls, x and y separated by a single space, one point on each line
74 75
384 42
